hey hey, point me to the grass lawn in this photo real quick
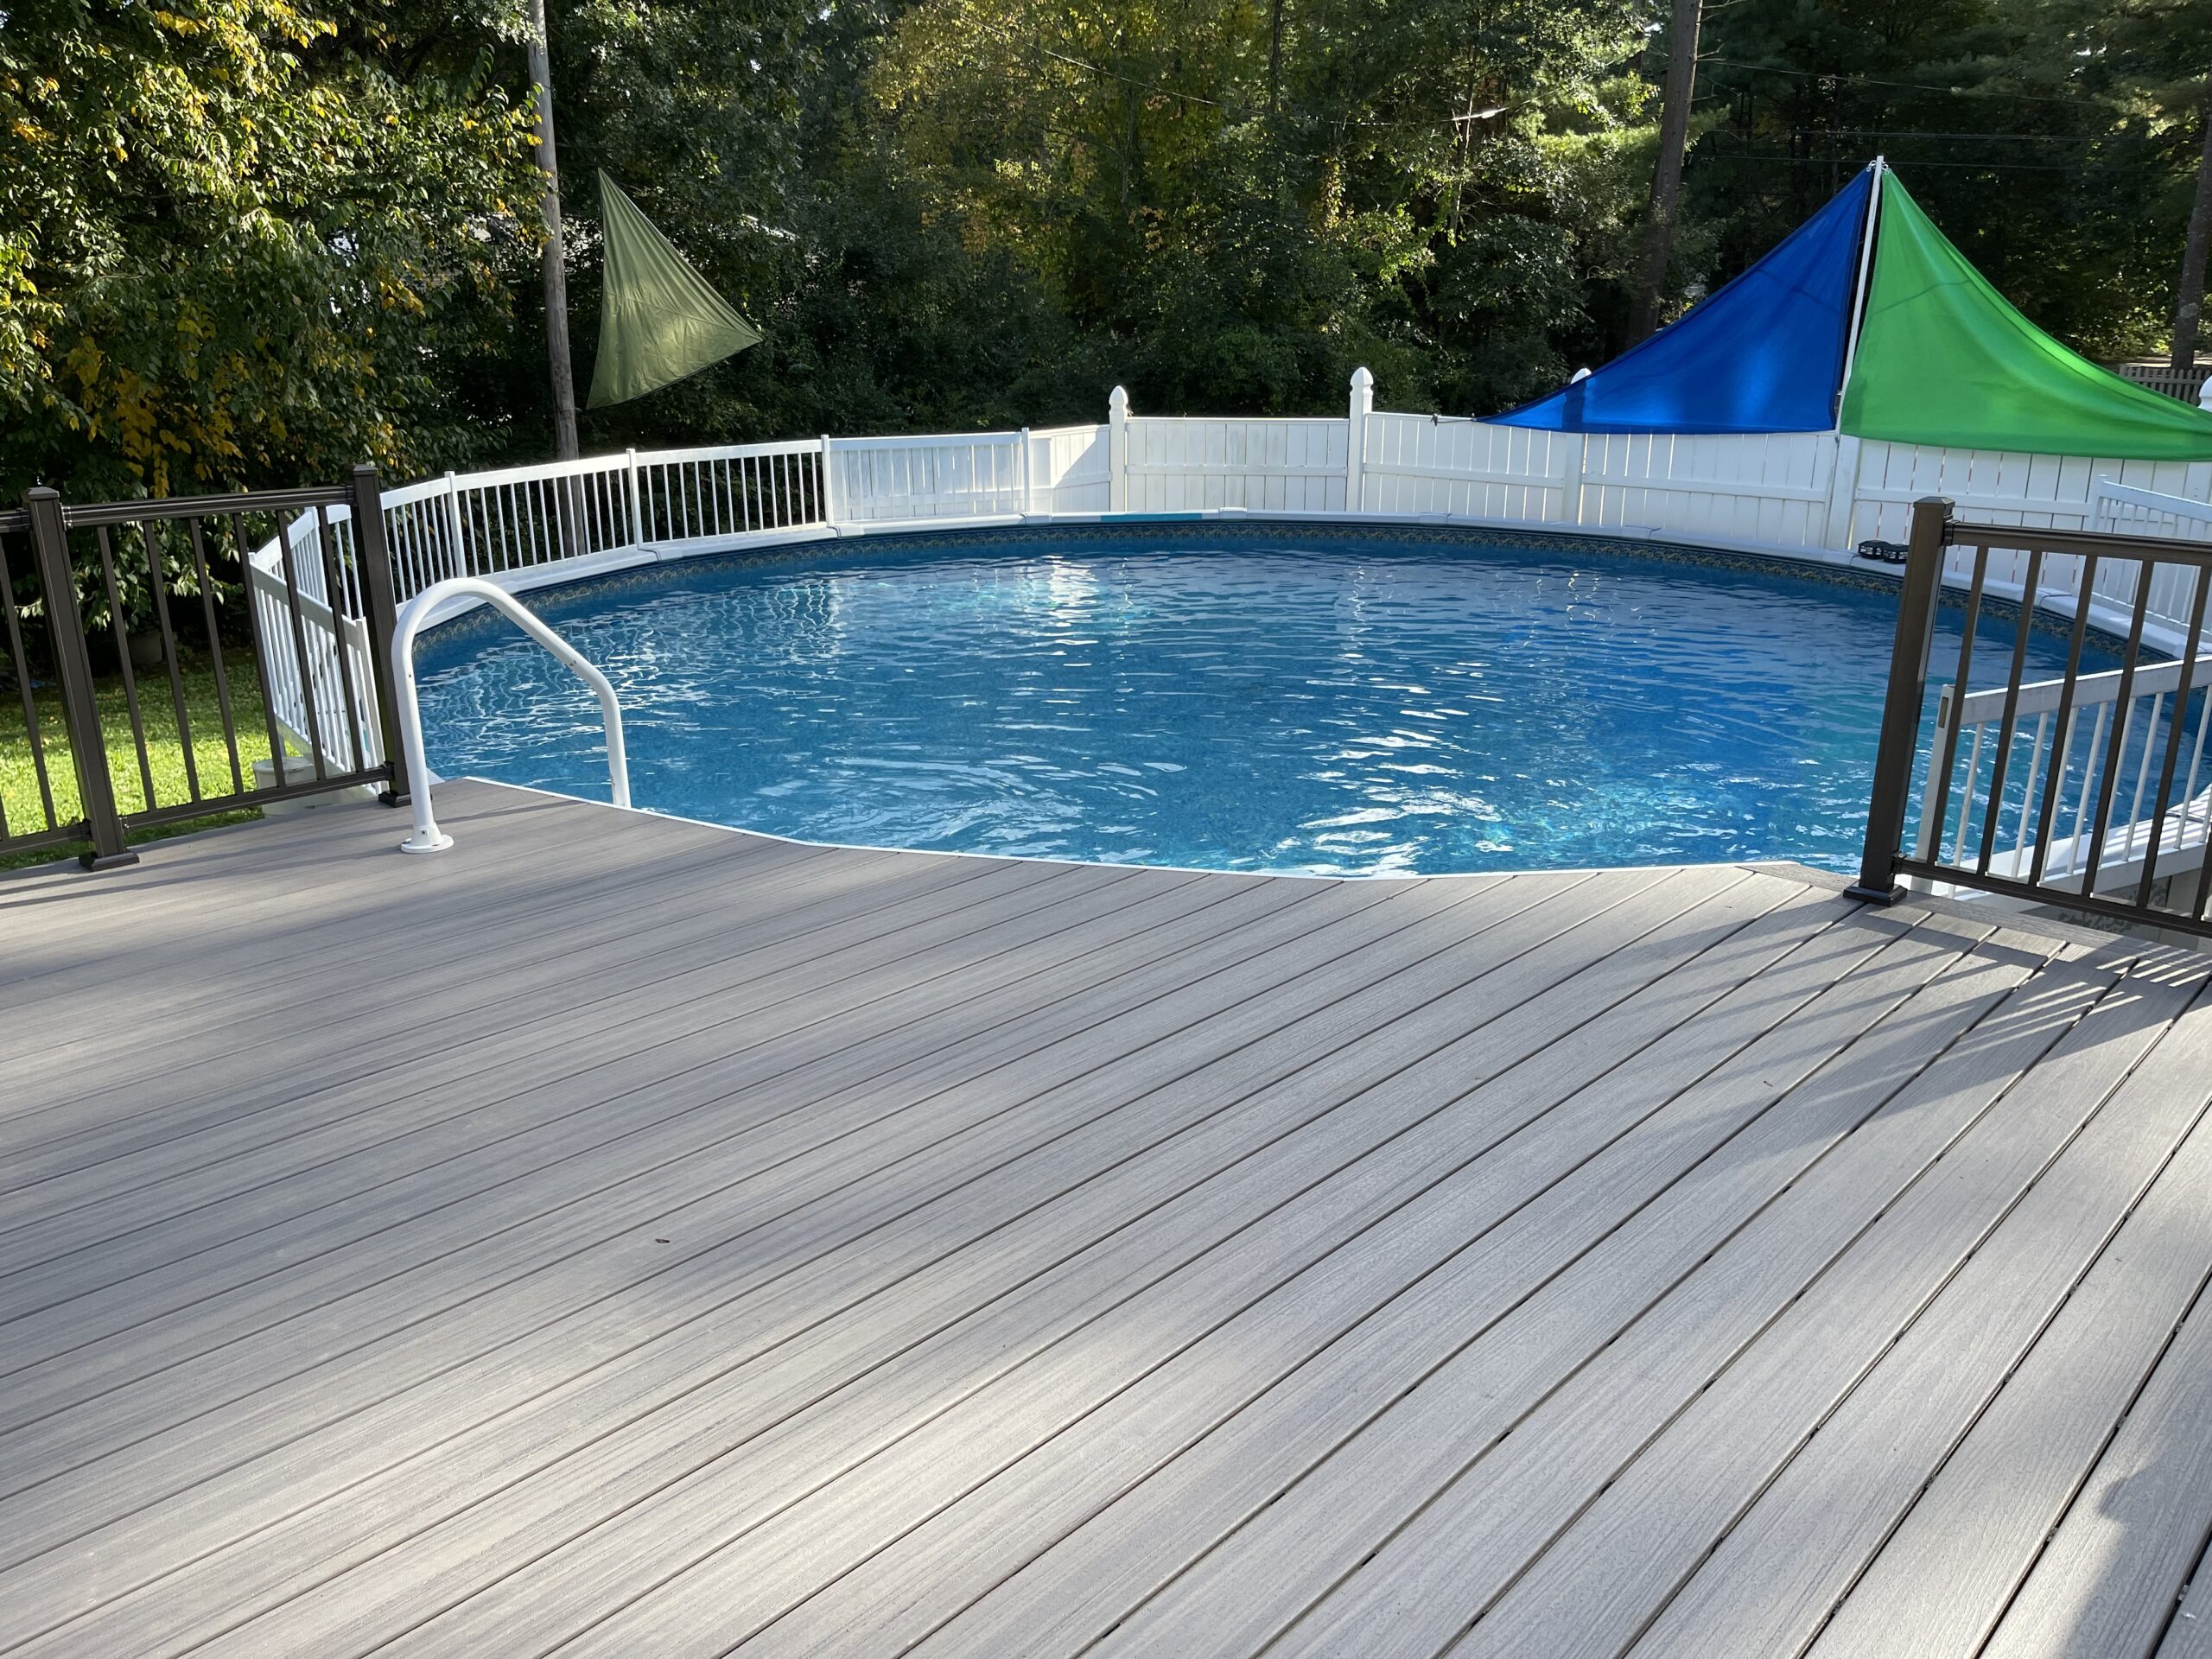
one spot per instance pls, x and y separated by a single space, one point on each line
19 790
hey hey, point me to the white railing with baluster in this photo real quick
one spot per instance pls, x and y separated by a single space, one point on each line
1812 496
2008 804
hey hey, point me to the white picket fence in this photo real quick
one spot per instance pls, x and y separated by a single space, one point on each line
1813 496
2188 384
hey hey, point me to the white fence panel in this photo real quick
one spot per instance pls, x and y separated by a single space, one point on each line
1419 464
2133 512
1068 470
1182 465
1995 487
2034 491
1768 487
690 495
2183 384
887 480
319 705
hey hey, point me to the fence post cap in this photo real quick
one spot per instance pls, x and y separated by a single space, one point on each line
1118 400
1362 375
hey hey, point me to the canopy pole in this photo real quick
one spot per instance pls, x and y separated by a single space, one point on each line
1858 294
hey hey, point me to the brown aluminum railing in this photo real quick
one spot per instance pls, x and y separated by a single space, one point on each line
191 672
2089 791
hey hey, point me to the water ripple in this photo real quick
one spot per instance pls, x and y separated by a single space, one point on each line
1355 710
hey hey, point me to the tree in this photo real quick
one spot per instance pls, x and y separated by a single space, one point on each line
1680 90
242 244
2189 295
1246 205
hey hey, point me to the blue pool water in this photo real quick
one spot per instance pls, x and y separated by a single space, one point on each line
1339 705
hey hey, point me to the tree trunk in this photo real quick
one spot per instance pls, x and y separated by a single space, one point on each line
553 262
1667 177
2189 303
1274 60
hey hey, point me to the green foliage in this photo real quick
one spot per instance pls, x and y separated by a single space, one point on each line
24 803
2055 141
1249 200
245 244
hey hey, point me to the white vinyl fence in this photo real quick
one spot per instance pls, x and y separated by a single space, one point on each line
1815 496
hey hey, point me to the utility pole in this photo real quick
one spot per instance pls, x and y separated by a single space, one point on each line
2189 303
1667 177
553 261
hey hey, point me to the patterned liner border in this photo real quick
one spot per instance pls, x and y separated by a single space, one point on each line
1168 531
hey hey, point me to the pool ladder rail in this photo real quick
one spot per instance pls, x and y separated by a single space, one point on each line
413 617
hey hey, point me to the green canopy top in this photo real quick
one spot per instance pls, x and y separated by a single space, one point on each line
1942 359
659 320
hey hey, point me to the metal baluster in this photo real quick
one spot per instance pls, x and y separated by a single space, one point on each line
21 660
2195 759
346 689
1940 803
2083 823
215 656
2125 701
2183 688
2142 771
123 656
2084 577
2028 592
169 657
2028 789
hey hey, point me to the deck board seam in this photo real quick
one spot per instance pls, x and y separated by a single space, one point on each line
1208 1058
1898 934
613 927
1317 1596
795 1110
1807 1292
1224 1317
780 957
1914 1320
384 1103
1454 1103
1301 900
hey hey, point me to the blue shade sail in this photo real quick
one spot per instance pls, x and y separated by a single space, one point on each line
1763 354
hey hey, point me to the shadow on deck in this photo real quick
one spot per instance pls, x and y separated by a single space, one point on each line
617 1236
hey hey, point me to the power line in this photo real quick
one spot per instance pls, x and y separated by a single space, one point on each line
1900 86
1971 167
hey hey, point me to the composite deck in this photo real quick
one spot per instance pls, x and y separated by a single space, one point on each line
620 1236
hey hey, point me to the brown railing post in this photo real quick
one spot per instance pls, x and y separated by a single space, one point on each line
1900 744
72 666
373 569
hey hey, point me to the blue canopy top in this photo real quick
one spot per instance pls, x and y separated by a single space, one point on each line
1762 354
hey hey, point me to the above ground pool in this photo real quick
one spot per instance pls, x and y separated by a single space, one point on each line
1248 697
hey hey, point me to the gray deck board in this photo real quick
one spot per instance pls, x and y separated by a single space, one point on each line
2108 1581
2189 1636
618 1235
1253 1136
1952 1561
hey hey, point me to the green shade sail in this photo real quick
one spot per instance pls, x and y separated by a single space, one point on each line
659 320
1942 359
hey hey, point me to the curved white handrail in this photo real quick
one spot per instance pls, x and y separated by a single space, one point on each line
428 837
